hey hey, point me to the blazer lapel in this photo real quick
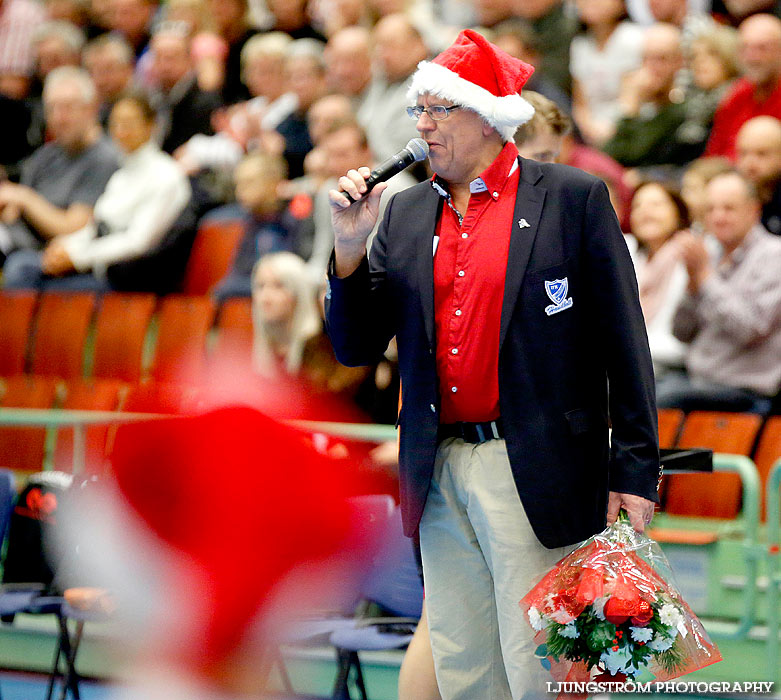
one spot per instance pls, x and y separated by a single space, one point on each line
528 209
423 227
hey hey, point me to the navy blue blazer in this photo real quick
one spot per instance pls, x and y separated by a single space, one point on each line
573 349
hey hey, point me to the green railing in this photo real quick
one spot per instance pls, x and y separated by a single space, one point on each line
753 551
773 500
80 420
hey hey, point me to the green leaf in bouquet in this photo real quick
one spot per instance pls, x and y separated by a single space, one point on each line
641 656
601 637
671 660
541 651
558 645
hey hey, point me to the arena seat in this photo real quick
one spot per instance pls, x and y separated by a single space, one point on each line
17 309
120 333
87 395
159 397
670 421
233 346
61 333
22 448
182 328
711 495
212 254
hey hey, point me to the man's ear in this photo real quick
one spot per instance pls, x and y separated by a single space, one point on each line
488 130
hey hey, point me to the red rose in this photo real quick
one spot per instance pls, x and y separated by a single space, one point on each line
617 610
643 615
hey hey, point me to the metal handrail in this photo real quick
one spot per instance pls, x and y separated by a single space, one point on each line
79 420
773 500
752 552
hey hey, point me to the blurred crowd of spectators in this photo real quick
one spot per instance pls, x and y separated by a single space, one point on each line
127 121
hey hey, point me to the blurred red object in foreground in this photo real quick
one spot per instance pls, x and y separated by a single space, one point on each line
243 500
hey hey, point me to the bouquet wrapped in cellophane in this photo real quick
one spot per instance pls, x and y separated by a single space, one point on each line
609 612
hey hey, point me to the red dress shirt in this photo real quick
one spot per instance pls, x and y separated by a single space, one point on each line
470 263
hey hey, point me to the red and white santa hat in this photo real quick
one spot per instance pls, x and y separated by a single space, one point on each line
477 75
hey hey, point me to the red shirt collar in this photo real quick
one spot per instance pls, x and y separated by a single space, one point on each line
492 179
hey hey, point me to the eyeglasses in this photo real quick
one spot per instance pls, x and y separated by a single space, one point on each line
436 112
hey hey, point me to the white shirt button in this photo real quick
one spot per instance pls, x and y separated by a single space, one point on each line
458 312
460 273
464 235
496 195
433 408
454 389
454 351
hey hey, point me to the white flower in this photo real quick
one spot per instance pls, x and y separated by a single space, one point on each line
641 634
535 619
569 630
660 643
599 606
617 661
669 615
561 616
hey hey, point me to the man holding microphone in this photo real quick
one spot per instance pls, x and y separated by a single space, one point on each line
512 296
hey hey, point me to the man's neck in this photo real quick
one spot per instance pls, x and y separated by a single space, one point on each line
765 89
729 252
460 191
91 136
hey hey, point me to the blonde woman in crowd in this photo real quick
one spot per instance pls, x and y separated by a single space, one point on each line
712 60
285 315
290 343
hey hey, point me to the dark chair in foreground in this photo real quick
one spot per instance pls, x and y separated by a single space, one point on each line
92 609
395 586
22 597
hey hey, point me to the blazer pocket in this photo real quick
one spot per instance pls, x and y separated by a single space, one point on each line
579 421
550 272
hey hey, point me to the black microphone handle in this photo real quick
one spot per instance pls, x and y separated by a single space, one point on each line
386 170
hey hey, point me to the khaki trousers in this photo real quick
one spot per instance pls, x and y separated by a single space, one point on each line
480 557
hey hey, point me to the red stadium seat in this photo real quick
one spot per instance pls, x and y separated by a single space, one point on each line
159 397
22 448
212 254
183 325
60 334
120 333
670 421
87 395
16 319
712 495
234 335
